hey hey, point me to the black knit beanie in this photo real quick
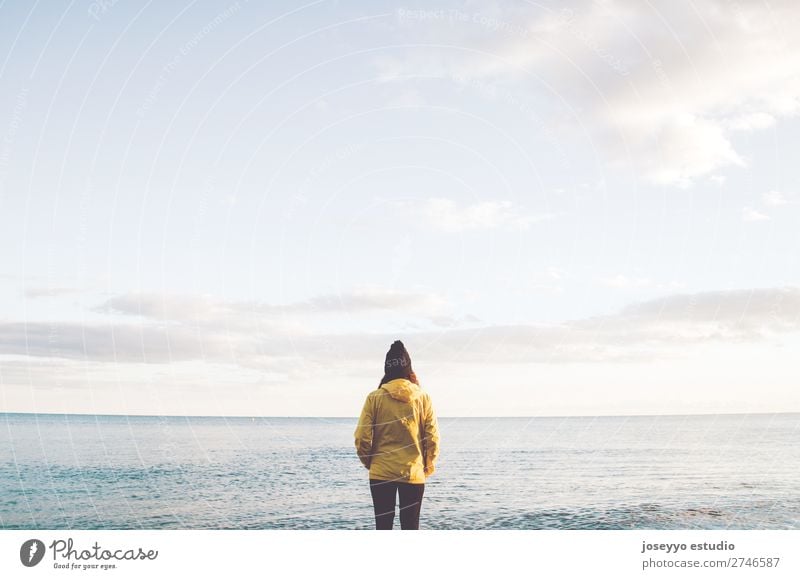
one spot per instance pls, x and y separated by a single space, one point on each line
398 362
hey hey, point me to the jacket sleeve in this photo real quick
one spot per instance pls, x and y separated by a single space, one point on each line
363 433
431 438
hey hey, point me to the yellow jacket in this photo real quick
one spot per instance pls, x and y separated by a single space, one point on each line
397 437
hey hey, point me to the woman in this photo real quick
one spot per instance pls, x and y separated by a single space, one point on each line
397 439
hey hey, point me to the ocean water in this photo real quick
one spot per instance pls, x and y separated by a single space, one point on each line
647 472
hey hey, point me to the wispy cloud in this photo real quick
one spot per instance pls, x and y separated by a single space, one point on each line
750 214
757 309
775 198
750 122
657 328
208 309
622 281
669 105
146 343
50 292
451 216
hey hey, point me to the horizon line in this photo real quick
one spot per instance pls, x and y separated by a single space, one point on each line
355 417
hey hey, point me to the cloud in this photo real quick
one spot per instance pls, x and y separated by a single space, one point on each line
659 328
621 281
662 89
750 122
110 342
680 148
750 214
207 309
768 309
733 69
408 98
368 300
549 280
631 282
717 179
450 216
775 198
49 292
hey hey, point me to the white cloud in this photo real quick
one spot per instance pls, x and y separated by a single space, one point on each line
662 328
681 148
408 98
372 299
50 292
718 179
777 309
448 215
775 198
632 282
733 69
362 306
92 368
750 214
663 88
621 281
204 309
751 122
145 343
657 328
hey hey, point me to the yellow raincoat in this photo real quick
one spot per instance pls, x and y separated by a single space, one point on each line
397 437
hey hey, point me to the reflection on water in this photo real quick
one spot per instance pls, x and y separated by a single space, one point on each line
658 472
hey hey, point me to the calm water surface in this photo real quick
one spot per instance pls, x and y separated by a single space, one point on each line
655 472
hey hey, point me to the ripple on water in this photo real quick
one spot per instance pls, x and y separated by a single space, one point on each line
610 473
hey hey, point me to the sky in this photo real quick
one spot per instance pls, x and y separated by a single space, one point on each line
561 208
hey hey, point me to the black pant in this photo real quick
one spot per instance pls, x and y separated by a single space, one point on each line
383 499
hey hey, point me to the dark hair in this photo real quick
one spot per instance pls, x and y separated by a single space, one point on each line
398 364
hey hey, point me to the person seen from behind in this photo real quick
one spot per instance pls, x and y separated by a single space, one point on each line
397 439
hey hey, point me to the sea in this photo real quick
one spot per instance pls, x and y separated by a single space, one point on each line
730 471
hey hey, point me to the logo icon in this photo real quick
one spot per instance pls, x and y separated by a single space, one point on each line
31 552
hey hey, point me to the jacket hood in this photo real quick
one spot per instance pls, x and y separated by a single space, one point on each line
402 390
